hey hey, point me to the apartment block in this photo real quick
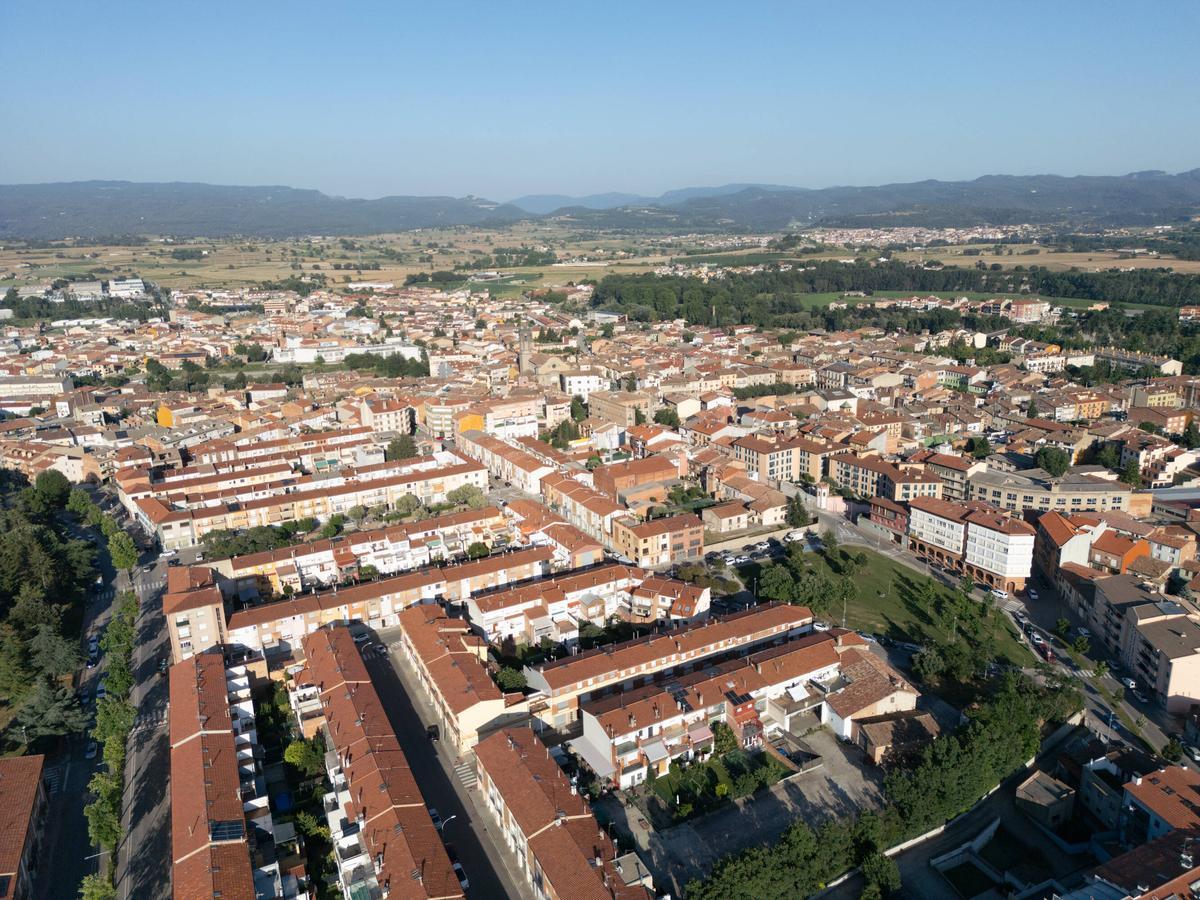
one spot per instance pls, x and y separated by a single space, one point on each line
659 542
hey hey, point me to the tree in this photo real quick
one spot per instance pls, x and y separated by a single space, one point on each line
50 711
830 541
97 887
407 505
1172 751
667 416
724 740
358 513
776 583
511 679
639 418
478 550
54 488
881 872
578 410
467 495
1100 669
308 825
51 653
305 756
797 512
1031 411
1131 474
1081 645
966 584
1191 436
122 550
979 447
1054 460
402 447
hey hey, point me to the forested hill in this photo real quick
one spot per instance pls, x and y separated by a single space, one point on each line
99 208
1137 199
102 208
763 297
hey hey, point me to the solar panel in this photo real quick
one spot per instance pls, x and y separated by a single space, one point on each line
227 830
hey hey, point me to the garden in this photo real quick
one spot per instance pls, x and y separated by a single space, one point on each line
690 790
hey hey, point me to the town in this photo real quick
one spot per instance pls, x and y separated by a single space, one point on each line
427 590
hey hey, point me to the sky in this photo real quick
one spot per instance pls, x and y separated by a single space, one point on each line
502 99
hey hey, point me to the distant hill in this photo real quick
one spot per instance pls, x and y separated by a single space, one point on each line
103 208
1135 199
542 204
95 208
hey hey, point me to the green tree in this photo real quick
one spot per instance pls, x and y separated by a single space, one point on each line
50 710
639 418
1172 751
402 447
1191 436
1031 411
1131 474
776 583
54 488
122 550
97 886
478 550
357 513
467 495
308 825
1054 460
510 679
667 416
305 756
797 512
578 410
51 653
881 872
407 505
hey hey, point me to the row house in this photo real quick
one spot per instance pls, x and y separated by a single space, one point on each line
217 780
953 471
560 686
504 461
588 510
561 850
384 841
389 551
449 662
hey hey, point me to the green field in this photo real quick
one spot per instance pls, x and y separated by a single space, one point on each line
884 604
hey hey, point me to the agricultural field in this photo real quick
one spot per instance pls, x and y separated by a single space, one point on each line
1056 261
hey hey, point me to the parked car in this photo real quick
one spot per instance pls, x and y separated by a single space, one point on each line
1033 595
433 733
1140 697
1194 752
163 665
463 881
1130 683
92 749
361 637
999 594
437 818
820 626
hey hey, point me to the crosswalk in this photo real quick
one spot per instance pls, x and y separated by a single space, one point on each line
149 721
143 587
52 776
466 772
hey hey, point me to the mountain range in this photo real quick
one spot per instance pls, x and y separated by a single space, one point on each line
93 209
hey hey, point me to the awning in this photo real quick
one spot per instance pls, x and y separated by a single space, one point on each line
701 733
656 751
797 692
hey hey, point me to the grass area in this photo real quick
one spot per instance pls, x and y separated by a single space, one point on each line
824 299
885 604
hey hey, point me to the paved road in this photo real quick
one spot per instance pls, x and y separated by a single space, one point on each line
448 783
144 856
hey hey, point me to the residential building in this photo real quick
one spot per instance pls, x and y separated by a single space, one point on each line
24 799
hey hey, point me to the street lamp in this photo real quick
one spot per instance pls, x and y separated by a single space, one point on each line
446 822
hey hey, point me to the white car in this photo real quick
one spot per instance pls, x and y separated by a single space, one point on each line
820 626
463 881
1033 595
999 594
1130 683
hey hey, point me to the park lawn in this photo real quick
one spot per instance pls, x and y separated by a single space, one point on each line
883 605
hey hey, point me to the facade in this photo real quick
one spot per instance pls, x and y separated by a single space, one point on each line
659 542
1069 494
560 848
986 544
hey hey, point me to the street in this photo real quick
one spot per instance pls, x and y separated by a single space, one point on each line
446 783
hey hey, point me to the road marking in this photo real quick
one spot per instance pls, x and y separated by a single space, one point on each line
467 774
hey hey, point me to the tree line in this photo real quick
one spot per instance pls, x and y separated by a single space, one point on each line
949 776
760 297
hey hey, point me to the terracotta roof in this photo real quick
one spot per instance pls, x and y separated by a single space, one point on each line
20 781
1172 794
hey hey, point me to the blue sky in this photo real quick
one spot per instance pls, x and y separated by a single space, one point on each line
501 99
